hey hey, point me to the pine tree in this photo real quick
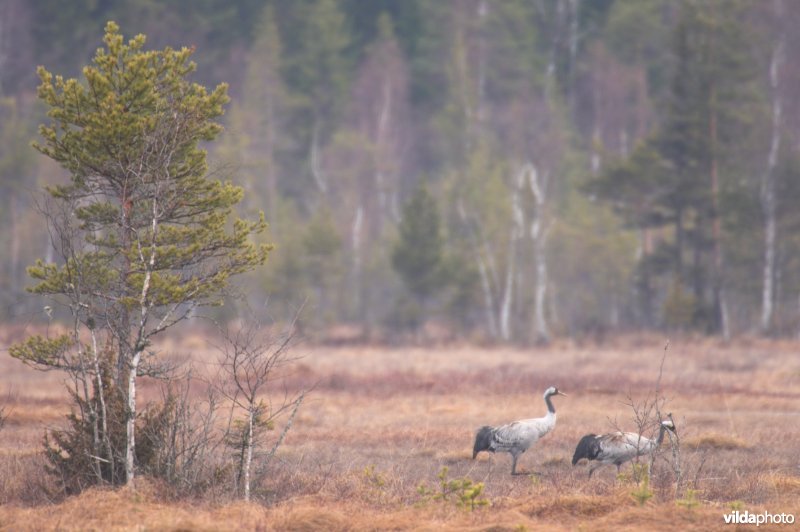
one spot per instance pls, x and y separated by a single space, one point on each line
144 234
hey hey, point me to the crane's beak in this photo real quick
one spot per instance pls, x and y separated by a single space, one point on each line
562 393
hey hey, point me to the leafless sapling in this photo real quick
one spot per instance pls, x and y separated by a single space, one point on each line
252 360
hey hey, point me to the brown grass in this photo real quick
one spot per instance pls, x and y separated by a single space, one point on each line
716 441
405 413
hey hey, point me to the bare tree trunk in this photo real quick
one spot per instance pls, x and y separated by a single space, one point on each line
16 241
486 270
130 421
488 297
483 11
595 160
138 348
517 229
768 200
574 35
83 374
508 290
249 456
355 240
381 143
271 173
101 395
539 237
720 303
316 165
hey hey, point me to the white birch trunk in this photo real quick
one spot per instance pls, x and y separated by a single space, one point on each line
573 34
483 11
355 242
768 200
485 271
517 230
130 423
249 454
316 165
488 297
16 241
138 348
101 395
384 121
595 160
539 237
84 376
508 293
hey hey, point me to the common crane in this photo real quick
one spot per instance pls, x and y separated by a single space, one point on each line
515 438
618 447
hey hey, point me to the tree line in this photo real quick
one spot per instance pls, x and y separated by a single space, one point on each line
511 170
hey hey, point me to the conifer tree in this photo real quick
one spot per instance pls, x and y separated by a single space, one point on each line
144 234
417 256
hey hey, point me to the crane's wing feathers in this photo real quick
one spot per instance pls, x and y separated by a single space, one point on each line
619 447
520 434
638 443
507 436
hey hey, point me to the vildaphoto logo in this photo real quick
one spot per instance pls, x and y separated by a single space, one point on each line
763 518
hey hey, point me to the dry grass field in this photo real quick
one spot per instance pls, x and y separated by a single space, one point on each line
381 422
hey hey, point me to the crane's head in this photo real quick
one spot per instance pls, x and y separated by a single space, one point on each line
668 424
553 391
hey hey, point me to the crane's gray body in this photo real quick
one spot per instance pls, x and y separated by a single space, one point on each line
517 437
617 447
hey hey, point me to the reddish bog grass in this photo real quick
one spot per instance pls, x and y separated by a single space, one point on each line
381 422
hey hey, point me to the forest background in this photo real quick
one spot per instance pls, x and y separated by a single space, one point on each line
503 170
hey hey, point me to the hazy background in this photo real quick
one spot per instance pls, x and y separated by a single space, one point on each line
578 167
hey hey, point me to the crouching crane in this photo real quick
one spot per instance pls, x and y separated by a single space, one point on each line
515 438
618 447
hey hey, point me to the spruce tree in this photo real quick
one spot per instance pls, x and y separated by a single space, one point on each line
417 255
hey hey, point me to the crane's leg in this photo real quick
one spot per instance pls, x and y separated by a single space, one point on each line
591 469
514 457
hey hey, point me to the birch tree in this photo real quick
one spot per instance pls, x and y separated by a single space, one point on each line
146 234
251 362
768 196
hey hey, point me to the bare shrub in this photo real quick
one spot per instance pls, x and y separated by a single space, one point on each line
252 360
647 417
24 480
179 443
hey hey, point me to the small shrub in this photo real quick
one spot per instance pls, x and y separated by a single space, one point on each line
462 491
690 500
374 478
736 505
642 493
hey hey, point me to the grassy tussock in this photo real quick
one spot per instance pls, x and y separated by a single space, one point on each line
716 441
573 507
786 485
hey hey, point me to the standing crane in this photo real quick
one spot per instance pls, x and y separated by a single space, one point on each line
515 438
618 447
